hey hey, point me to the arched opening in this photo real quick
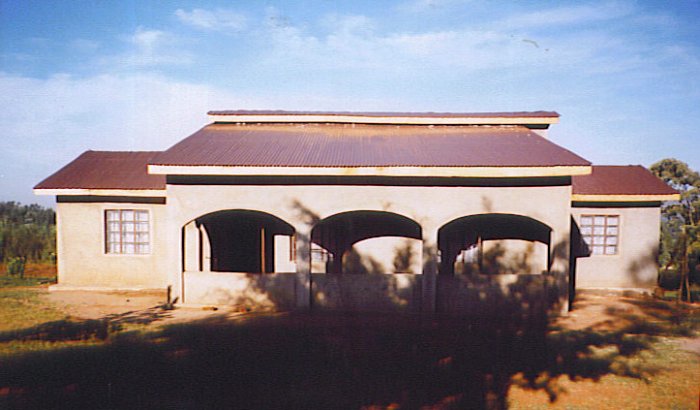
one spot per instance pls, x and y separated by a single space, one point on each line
333 241
494 243
238 241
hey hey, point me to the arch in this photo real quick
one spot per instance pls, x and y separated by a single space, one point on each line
337 233
465 232
241 240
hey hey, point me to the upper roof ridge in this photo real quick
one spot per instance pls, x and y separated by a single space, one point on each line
538 118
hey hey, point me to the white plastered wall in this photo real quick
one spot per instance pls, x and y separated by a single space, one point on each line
635 264
83 262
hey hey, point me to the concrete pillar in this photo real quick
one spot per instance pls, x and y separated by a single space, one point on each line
303 266
206 249
559 251
430 268
191 247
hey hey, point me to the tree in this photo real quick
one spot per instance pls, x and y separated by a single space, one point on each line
680 239
27 232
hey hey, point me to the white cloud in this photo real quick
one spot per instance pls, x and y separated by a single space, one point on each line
355 42
419 6
148 48
46 123
524 42
83 45
216 20
349 24
572 15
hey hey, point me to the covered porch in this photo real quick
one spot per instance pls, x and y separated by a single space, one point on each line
368 260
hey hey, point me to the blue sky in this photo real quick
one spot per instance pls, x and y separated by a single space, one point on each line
138 75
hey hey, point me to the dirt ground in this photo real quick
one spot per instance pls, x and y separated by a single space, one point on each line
594 310
146 305
675 385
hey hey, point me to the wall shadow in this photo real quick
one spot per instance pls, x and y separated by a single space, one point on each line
644 270
497 260
311 361
90 329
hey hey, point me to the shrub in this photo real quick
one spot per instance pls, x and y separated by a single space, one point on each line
16 266
669 279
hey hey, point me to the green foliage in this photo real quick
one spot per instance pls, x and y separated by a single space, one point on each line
27 231
680 224
16 266
16 281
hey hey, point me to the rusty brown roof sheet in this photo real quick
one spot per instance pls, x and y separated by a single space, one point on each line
620 180
514 114
344 145
106 170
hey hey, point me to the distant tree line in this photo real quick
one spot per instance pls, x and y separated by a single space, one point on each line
27 232
679 255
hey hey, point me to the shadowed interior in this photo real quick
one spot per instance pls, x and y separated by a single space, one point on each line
338 233
463 233
242 239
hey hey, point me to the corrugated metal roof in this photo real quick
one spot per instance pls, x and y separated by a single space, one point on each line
106 170
343 145
620 180
514 114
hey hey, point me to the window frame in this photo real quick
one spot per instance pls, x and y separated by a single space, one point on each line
317 253
606 242
140 248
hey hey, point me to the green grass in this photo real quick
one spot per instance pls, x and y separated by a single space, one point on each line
672 295
23 308
30 324
8 281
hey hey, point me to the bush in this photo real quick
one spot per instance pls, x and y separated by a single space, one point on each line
669 279
16 266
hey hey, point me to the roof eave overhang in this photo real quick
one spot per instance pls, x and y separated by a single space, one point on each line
407 171
394 120
100 192
625 198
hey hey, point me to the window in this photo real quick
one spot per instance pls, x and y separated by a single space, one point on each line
601 233
319 254
470 255
127 231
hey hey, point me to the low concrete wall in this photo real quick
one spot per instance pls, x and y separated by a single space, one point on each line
501 295
274 291
400 292
464 295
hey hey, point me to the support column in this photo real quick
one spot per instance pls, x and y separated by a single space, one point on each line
560 254
205 249
559 251
430 268
191 248
303 267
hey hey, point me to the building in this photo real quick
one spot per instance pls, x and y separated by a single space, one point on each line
416 211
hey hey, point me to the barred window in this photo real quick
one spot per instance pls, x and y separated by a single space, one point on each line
601 233
127 231
319 254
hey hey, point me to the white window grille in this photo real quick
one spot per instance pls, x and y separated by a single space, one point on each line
601 233
127 231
